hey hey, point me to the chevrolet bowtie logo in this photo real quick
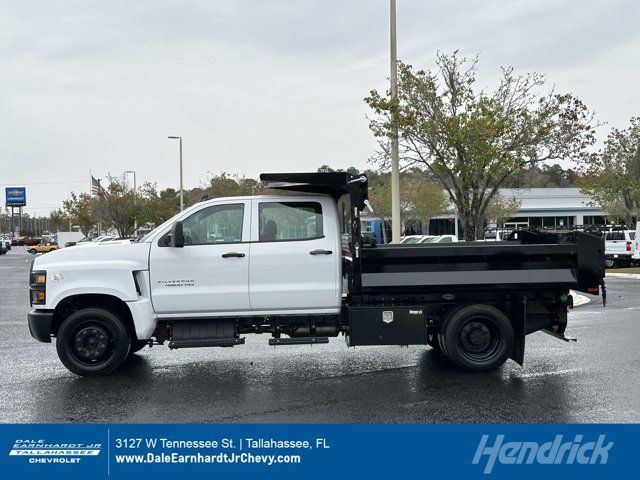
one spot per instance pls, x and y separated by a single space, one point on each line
15 192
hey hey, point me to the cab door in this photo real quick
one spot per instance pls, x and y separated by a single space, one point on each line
295 255
210 274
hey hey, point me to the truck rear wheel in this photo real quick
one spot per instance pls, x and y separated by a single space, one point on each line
477 338
92 341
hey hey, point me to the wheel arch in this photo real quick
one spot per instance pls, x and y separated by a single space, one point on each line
73 303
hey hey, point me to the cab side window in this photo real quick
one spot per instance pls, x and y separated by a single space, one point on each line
289 221
213 225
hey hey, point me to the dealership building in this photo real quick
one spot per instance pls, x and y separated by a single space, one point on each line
539 207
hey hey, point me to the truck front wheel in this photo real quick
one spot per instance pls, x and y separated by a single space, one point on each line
477 338
92 341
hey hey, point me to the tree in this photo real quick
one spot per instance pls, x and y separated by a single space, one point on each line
538 176
327 169
117 207
380 198
421 199
156 207
502 209
425 198
612 176
225 185
80 210
472 141
58 220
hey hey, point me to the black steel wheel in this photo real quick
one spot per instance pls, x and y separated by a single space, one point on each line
477 338
92 341
609 262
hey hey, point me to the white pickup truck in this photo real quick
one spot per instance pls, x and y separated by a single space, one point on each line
619 246
274 264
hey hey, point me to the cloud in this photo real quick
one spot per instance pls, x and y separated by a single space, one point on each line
258 85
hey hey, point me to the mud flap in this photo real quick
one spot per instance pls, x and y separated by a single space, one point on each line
558 330
518 322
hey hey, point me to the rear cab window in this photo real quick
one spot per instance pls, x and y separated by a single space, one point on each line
289 221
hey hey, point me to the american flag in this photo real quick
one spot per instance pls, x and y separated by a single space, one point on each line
95 186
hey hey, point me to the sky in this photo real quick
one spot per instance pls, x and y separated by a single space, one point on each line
263 85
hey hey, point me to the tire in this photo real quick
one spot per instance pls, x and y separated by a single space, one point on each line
32 251
477 338
137 345
92 341
609 262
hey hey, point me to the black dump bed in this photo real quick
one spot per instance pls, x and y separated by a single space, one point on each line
535 260
531 260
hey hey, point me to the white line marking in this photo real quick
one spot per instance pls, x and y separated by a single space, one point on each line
556 372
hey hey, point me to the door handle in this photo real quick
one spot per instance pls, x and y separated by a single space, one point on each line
320 252
232 255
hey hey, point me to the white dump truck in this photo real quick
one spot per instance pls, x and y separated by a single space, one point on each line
274 265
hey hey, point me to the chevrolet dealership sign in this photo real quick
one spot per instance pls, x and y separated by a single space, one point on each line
16 196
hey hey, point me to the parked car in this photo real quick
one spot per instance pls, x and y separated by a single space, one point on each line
636 246
81 241
369 239
103 238
496 235
22 241
618 246
410 239
443 239
43 248
6 242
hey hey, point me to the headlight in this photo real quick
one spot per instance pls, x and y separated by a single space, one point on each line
37 287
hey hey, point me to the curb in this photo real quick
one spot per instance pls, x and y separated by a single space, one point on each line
635 276
579 299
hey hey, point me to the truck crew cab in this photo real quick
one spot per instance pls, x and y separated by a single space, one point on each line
274 264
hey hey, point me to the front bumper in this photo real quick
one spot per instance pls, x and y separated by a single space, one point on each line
40 324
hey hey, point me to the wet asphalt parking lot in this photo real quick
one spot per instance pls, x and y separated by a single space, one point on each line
596 379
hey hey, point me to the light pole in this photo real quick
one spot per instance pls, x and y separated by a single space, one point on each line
181 189
135 220
395 162
134 181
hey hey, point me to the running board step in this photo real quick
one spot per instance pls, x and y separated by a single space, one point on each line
298 341
205 342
